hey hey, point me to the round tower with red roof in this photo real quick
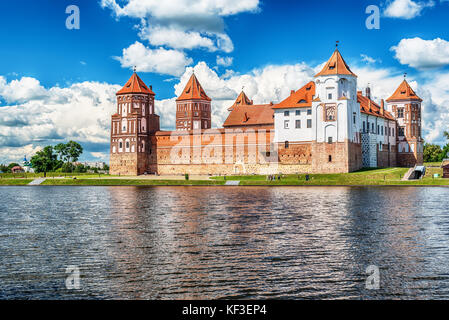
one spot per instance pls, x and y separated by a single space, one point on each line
132 127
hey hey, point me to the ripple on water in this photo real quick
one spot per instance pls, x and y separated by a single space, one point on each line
224 243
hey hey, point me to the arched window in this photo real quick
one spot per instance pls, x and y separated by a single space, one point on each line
114 150
127 145
144 125
120 146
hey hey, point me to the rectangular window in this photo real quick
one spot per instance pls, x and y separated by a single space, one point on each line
309 112
329 140
400 112
330 158
392 132
364 126
309 123
286 124
286 113
353 119
401 131
298 124
329 96
286 145
382 133
372 127
298 112
378 129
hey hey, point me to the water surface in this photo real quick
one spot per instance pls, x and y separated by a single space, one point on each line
224 242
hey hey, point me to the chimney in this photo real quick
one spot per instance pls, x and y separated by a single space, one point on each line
368 92
382 107
151 88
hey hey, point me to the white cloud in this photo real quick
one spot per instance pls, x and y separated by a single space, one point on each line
224 61
368 59
183 24
177 8
99 155
163 61
80 112
16 154
271 83
21 90
176 38
406 9
422 54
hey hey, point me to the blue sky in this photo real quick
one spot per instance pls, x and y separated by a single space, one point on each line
271 47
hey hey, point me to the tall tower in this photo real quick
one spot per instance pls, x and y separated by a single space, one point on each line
405 105
193 107
132 149
336 141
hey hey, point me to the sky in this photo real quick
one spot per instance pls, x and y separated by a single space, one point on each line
58 83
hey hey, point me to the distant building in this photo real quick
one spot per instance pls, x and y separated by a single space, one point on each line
445 166
17 169
92 164
26 165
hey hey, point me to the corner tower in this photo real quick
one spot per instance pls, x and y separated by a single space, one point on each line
336 140
405 105
132 126
193 107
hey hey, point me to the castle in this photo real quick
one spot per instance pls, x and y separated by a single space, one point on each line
327 126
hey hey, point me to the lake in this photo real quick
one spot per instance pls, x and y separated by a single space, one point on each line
224 242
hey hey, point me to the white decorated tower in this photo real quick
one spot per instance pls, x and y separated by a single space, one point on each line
336 139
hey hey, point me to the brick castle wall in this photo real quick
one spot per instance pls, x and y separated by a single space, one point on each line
337 157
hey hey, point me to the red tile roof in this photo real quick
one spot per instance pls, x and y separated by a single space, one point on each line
404 92
251 115
368 106
135 85
299 99
335 65
242 100
193 91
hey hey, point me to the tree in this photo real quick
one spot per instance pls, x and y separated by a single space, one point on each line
74 150
67 167
80 168
45 160
62 150
432 152
446 134
68 153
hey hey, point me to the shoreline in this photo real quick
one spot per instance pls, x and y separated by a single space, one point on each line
372 177
211 184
